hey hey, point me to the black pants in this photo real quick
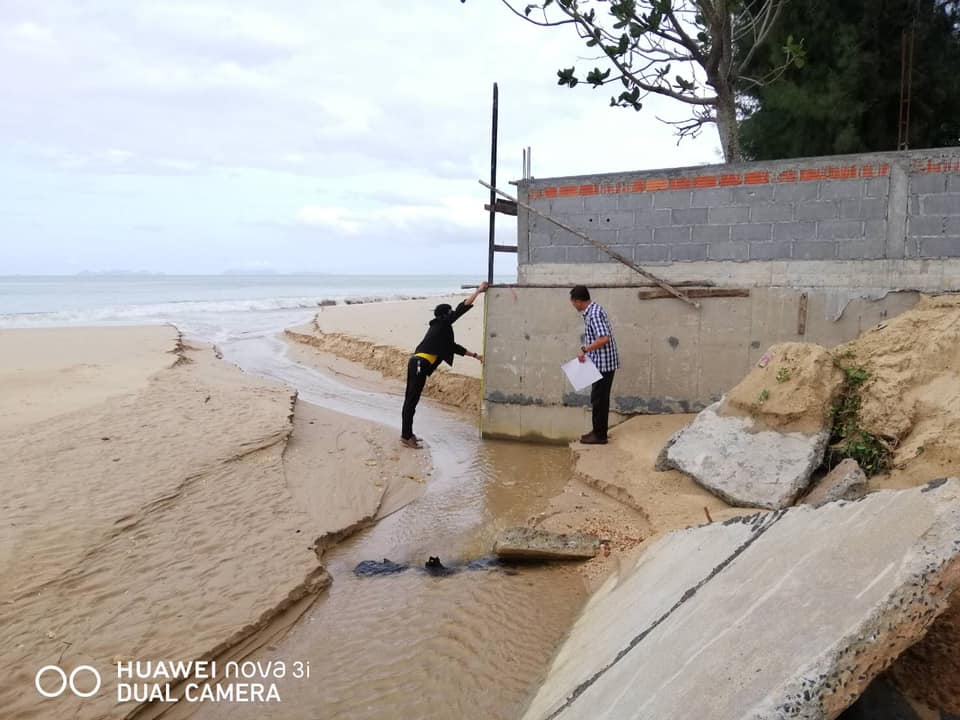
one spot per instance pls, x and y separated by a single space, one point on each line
417 371
600 403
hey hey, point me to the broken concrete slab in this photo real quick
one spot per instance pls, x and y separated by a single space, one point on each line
744 464
929 671
762 617
524 543
845 482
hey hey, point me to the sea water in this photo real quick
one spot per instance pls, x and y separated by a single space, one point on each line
211 307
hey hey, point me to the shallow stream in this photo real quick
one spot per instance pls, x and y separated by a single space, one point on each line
411 645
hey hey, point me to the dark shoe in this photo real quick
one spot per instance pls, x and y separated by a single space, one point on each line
591 439
410 443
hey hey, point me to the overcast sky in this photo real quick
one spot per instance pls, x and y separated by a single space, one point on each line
197 136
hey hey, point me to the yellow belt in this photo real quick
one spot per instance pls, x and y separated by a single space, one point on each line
427 356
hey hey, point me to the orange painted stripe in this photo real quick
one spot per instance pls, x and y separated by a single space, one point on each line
808 174
755 177
841 173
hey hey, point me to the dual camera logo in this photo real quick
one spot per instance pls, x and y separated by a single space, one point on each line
66 681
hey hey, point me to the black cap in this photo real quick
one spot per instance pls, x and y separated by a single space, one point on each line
441 310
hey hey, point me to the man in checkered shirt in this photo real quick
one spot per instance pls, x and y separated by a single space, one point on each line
601 348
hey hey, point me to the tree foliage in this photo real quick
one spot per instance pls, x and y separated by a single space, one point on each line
695 52
845 97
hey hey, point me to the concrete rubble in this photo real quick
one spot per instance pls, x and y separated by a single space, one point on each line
845 482
788 614
745 465
524 543
760 444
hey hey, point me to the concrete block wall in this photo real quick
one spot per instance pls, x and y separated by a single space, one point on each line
674 358
875 206
826 247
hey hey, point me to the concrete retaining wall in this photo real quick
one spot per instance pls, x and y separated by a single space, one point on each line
853 240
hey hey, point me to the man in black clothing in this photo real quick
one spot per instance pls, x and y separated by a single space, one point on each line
437 346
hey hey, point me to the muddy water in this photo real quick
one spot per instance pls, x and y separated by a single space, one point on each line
472 645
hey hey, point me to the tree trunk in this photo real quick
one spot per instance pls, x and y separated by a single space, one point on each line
727 125
719 76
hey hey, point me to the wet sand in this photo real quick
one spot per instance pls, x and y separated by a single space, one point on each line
473 645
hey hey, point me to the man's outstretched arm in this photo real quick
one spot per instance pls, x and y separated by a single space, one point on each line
468 303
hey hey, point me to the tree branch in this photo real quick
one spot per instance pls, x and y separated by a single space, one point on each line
526 17
764 34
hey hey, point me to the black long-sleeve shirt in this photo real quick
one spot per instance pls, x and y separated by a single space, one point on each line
440 340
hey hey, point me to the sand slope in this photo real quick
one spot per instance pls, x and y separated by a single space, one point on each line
166 523
913 394
402 324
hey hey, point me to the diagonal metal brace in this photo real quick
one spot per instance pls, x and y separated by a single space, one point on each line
608 250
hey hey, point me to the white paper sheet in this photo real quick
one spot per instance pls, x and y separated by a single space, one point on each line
581 374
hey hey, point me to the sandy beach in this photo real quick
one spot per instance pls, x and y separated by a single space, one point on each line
164 503
160 503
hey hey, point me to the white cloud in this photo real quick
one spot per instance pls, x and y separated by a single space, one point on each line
330 217
361 119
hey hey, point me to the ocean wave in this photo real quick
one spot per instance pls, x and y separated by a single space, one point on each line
166 311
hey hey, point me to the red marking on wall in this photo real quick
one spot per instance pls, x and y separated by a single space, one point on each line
754 177
928 167
813 174
760 177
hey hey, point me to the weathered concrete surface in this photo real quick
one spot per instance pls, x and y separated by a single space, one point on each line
675 359
743 465
784 615
524 543
930 670
845 482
